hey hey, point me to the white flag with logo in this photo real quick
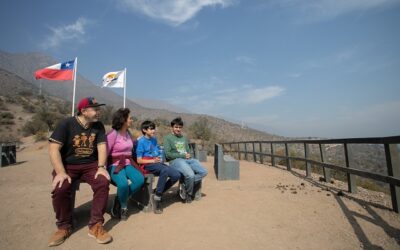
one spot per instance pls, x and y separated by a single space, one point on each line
114 79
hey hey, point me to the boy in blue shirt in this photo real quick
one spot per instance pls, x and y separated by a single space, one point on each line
148 154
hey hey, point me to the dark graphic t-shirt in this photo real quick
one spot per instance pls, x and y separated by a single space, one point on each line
79 143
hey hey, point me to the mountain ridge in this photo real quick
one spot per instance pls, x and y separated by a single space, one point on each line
23 65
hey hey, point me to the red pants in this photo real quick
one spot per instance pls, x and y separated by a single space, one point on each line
62 196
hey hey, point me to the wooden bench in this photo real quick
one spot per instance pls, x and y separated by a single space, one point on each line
142 197
200 155
225 166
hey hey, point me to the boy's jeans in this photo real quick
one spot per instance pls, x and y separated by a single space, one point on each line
167 176
192 171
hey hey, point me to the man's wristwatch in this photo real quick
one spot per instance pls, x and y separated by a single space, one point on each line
101 166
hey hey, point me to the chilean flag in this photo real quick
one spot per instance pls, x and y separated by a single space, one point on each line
57 72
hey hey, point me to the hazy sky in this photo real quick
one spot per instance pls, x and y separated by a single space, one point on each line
327 68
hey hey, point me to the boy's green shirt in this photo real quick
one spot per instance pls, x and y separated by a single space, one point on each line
175 147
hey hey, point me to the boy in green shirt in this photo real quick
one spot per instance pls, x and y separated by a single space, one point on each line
177 153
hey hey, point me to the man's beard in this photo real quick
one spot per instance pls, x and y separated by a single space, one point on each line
92 119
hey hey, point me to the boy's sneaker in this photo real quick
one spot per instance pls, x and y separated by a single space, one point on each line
188 199
197 191
182 191
124 213
59 237
99 233
157 204
116 208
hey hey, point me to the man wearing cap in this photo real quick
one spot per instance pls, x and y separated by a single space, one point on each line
78 152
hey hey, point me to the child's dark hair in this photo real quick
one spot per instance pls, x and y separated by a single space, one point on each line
177 121
119 118
146 125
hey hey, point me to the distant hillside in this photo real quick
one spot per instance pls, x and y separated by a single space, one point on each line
19 101
158 104
22 66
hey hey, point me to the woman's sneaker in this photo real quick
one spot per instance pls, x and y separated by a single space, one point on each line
116 208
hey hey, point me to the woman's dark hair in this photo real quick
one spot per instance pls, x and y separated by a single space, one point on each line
146 125
177 121
119 118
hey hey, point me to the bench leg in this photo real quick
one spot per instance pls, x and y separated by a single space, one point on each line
143 196
74 187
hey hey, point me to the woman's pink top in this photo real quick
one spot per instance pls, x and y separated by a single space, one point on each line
119 144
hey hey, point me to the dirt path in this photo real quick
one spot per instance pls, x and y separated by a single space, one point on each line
269 208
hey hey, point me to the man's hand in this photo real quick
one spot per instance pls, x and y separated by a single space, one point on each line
103 172
59 180
187 156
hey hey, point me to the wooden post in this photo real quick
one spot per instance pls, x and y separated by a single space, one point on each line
272 155
351 179
327 171
239 154
245 151
254 153
392 153
307 156
1 155
261 156
288 161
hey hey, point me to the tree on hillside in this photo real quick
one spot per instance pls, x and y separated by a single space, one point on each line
63 107
200 129
106 115
43 121
49 118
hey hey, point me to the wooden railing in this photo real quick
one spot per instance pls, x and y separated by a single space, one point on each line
391 147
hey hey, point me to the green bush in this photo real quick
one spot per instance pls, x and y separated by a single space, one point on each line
161 121
6 118
34 126
11 99
62 107
26 93
29 107
6 115
42 121
2 105
106 115
201 130
41 136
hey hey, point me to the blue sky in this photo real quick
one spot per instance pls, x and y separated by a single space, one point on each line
328 68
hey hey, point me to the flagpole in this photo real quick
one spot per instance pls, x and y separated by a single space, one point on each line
125 88
73 95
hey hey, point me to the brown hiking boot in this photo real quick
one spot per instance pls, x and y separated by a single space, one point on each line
59 237
99 233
